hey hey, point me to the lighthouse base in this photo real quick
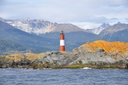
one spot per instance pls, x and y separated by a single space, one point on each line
62 48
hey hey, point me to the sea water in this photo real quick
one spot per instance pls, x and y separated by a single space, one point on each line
20 76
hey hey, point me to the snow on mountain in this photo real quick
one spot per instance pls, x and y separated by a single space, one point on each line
32 26
99 29
115 28
41 26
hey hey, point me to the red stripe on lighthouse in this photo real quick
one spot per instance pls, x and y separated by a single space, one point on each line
62 45
61 36
62 48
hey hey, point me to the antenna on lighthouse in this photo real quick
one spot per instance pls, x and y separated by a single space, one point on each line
62 45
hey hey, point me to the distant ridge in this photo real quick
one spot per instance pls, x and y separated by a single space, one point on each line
115 28
41 26
98 30
116 32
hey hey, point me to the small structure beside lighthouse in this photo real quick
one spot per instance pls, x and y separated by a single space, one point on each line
62 45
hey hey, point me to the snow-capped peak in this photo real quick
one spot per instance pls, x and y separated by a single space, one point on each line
99 29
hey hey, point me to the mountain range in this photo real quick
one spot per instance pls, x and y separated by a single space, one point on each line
41 26
38 35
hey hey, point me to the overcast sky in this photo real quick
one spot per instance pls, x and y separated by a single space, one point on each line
83 13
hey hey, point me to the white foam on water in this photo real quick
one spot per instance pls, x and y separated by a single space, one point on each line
86 68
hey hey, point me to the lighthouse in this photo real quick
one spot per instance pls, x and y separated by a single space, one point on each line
62 45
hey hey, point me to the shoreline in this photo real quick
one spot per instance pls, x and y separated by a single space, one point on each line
74 66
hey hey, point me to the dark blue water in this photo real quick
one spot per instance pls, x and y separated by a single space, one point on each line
63 77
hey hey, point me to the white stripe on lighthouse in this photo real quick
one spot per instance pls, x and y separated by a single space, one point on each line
61 42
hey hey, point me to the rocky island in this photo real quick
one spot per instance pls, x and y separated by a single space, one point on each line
97 54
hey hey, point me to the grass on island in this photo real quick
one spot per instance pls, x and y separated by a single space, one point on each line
77 66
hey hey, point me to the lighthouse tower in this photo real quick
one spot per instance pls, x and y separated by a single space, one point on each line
62 45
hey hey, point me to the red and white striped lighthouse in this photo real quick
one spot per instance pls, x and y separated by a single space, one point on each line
62 45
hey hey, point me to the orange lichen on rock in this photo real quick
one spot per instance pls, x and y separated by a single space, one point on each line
33 57
28 56
107 46
15 57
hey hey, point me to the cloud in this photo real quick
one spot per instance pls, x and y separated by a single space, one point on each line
89 11
2 2
86 25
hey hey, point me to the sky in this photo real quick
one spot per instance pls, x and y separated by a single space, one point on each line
86 14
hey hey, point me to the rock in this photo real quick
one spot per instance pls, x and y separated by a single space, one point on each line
99 50
95 54
57 58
